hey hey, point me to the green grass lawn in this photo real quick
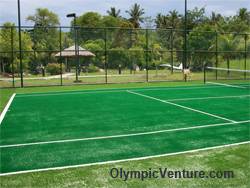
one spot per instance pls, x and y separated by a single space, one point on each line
234 158
125 77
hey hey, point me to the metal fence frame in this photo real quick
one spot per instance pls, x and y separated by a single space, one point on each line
147 50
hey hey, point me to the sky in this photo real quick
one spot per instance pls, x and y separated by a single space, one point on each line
8 8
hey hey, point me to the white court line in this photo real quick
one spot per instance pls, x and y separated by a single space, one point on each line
122 135
228 85
181 106
125 160
201 98
113 90
69 93
6 108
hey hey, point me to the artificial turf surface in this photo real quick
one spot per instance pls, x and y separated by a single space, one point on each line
73 115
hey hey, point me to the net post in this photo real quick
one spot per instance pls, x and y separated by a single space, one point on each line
12 57
204 71
245 61
147 55
60 43
105 55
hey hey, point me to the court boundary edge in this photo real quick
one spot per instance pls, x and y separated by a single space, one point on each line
5 110
124 160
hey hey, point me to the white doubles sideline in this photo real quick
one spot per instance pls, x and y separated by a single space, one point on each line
122 135
6 108
204 98
227 85
125 160
181 106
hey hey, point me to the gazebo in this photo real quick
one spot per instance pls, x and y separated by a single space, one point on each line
70 53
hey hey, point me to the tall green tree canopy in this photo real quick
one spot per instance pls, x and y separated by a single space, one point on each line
136 13
44 35
114 12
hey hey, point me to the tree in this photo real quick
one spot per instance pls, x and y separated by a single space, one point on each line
136 13
118 56
110 21
244 15
195 17
45 36
174 19
215 18
44 17
161 21
5 44
239 23
227 44
113 12
97 47
201 38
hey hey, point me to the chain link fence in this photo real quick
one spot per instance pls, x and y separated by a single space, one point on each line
78 55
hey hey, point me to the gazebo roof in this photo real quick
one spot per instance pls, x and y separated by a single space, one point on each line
70 52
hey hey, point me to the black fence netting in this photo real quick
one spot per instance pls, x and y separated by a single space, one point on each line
78 55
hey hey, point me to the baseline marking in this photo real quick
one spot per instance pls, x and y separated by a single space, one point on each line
6 108
73 92
181 106
201 98
125 160
123 135
228 85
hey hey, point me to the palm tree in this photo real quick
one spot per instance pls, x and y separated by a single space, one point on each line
135 14
174 18
244 15
228 43
113 12
215 18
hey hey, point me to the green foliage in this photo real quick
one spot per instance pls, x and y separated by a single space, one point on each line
126 46
201 38
92 68
118 56
136 13
6 34
54 68
97 47
113 12
44 36
110 21
137 56
89 19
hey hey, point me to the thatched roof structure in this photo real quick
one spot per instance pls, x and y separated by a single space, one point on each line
70 52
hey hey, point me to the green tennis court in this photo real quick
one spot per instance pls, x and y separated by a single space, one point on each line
43 131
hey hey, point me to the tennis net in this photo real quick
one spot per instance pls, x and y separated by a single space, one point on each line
229 77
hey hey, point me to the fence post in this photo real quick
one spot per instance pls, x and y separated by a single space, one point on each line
60 42
204 70
105 55
216 54
147 55
245 62
20 43
172 48
12 58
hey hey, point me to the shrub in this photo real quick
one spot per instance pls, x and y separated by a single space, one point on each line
92 68
55 68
